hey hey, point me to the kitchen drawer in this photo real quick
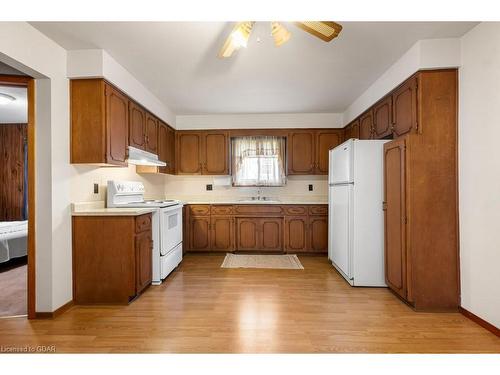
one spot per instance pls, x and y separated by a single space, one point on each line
199 209
295 210
221 210
258 210
318 210
142 223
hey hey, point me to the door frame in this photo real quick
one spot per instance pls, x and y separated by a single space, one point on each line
29 83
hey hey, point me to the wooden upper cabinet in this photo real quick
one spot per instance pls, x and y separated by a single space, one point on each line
352 130
366 125
325 141
404 108
137 126
301 153
215 153
151 133
99 123
395 216
170 168
163 146
188 150
382 118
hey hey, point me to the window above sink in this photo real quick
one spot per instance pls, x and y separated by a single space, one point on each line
258 161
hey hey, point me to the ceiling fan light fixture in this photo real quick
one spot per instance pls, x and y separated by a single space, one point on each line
6 99
237 39
280 34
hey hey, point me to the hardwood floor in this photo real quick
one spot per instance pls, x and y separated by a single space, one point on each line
203 308
13 288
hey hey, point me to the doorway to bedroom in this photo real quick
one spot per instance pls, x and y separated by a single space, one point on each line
14 182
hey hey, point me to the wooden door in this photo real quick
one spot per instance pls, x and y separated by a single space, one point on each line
271 234
301 155
246 233
318 234
325 141
295 234
116 126
215 152
382 118
404 108
151 133
170 168
137 126
395 216
222 233
163 151
143 260
188 149
366 125
199 228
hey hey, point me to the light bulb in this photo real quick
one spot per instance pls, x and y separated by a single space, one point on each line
239 39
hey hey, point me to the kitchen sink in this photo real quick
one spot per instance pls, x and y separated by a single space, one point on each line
259 199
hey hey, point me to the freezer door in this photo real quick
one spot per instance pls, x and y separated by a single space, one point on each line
340 239
340 163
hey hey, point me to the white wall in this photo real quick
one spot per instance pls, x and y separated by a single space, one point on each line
31 52
479 168
259 121
425 54
98 63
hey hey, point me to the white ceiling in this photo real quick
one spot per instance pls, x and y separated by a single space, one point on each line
15 112
178 61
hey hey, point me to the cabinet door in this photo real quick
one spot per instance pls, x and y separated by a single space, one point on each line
404 112
382 118
117 126
215 153
301 153
151 134
271 234
395 216
366 125
199 228
188 148
170 168
318 234
143 260
295 234
222 233
163 151
246 233
137 126
325 141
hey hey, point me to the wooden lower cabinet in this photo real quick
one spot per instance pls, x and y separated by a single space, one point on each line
265 228
222 233
199 233
318 234
112 258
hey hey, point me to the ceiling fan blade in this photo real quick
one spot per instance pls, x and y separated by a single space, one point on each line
236 39
280 34
325 30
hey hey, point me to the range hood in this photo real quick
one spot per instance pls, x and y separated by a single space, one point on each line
141 157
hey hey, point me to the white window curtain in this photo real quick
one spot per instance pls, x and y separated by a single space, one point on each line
258 161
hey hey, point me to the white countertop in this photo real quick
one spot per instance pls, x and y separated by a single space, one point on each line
240 200
97 209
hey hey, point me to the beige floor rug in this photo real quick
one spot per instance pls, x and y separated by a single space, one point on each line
286 262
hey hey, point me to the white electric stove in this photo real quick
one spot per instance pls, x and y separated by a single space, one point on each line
166 224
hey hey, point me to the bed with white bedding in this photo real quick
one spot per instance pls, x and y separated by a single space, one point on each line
13 239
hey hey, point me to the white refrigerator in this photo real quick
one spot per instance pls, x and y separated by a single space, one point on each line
356 220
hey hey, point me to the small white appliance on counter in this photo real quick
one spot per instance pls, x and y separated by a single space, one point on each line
356 220
166 224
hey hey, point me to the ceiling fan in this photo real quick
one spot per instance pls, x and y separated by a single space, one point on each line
325 30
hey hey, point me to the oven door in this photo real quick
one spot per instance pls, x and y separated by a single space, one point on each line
170 228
